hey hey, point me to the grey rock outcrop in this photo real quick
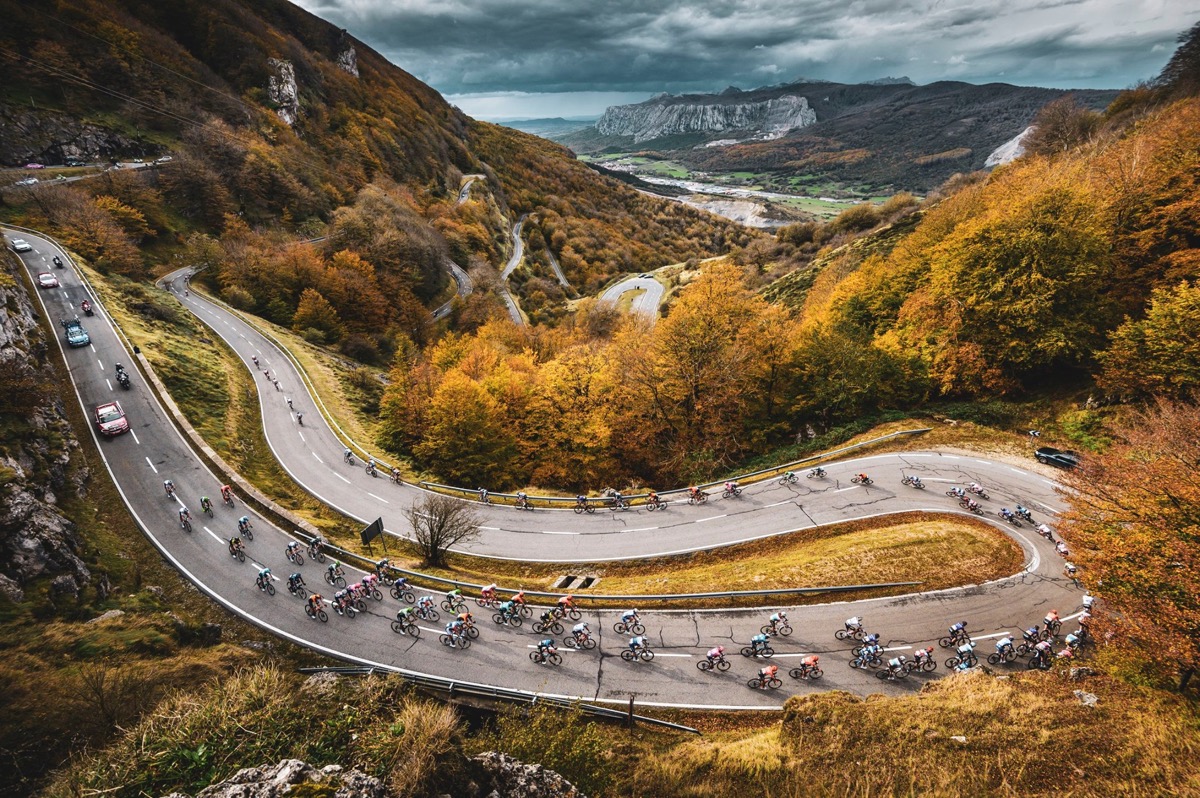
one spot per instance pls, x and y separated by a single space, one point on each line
1010 150
348 60
511 778
276 781
664 116
36 539
283 91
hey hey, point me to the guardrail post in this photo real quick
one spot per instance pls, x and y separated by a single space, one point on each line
629 717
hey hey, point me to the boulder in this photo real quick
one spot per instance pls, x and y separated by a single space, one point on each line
511 778
277 781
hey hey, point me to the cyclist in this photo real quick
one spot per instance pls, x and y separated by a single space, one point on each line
652 498
1061 548
184 516
314 603
1044 531
455 630
581 500
371 469
341 600
854 625
565 603
335 570
817 472
758 643
466 619
1052 622
522 499
454 597
488 594
916 482
1041 652
870 640
243 524
401 583
545 648
396 475
347 456
731 487
958 492
975 487
382 566
1004 645
638 644
790 476
169 487
255 359
1023 511
863 478
227 494
235 545
895 665
405 616
293 549
629 618
295 583
581 632
314 548
205 505
777 619
921 655
1031 636
425 603
483 495
289 401
519 598
549 618
618 499
715 655
264 576
507 610
959 631
695 493
1006 514
1088 602
368 583
766 674
300 417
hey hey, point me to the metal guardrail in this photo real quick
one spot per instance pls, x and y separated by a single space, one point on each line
753 476
451 688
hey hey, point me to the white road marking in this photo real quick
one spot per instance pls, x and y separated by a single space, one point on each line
660 654
776 504
135 437
491 528
109 383
643 529
843 490
100 364
939 479
342 478
710 518
547 532
319 460
92 347
214 534
564 650
372 495
301 434
151 465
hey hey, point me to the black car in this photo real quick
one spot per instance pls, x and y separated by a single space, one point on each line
1057 457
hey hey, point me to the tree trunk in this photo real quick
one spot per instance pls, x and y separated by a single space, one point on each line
1185 676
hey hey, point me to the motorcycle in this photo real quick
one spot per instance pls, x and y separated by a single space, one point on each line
122 377
58 264
86 307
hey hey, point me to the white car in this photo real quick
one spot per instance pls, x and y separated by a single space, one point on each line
21 245
163 159
29 181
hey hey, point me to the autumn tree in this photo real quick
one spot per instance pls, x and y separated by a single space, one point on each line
1134 527
1158 354
440 523
315 313
467 440
1061 126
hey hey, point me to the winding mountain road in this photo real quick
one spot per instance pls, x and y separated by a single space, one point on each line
155 450
644 304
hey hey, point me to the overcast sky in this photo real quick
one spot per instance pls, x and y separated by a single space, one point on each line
512 58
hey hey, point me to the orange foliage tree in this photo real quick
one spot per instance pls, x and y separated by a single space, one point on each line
1134 521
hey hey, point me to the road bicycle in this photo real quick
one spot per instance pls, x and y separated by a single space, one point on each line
246 530
697 498
636 629
584 506
403 626
587 642
542 657
318 614
265 585
551 626
294 556
789 479
185 524
512 619
403 594
764 682
816 473
806 672
458 641
862 480
335 578
655 504
644 654
765 651
783 629
314 551
238 552
729 493
428 613
707 664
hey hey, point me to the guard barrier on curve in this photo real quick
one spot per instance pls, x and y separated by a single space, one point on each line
453 688
753 476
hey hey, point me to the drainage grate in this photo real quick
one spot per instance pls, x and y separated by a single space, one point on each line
573 582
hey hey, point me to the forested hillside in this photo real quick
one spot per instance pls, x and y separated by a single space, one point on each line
281 128
1073 268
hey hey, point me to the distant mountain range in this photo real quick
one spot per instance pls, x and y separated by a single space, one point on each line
549 128
882 135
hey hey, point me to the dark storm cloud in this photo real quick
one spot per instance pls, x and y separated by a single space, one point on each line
482 46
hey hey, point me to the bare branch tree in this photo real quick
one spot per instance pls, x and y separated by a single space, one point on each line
440 523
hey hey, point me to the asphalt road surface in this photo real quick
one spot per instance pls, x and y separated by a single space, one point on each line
645 304
154 450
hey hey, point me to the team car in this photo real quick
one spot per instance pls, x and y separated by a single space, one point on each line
76 335
110 419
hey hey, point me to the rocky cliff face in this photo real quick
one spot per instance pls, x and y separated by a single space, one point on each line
660 117
28 134
283 91
36 539
348 60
